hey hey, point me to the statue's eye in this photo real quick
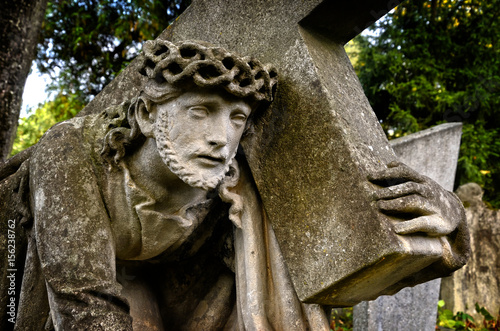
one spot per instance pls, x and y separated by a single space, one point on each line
239 118
198 112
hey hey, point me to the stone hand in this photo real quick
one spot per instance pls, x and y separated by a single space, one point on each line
420 203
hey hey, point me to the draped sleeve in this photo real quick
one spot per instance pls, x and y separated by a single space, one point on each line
74 239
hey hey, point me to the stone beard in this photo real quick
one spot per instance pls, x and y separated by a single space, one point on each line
195 176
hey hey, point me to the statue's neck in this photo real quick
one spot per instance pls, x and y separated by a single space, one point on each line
148 170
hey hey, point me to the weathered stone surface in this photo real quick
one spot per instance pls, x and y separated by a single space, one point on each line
434 153
412 308
12 241
479 281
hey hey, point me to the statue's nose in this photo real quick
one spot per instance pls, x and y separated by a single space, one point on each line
218 135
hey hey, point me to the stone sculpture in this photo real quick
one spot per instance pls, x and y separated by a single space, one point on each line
147 217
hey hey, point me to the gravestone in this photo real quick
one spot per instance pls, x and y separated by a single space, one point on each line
434 153
479 281
312 152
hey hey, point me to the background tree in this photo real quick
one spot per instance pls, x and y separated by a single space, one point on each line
436 61
20 23
84 44
32 128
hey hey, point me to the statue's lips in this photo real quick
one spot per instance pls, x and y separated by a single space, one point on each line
212 160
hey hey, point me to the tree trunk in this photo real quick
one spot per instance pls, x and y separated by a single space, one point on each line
20 24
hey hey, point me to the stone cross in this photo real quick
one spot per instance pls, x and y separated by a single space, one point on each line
311 153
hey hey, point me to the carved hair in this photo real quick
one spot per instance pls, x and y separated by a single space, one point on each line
174 68
125 132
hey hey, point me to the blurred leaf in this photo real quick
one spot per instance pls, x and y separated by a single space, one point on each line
32 128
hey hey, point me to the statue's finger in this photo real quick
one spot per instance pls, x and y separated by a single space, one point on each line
395 175
411 204
400 190
394 164
432 225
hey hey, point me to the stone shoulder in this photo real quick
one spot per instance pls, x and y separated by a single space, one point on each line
83 134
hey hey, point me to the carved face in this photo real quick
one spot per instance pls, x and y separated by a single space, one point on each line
197 135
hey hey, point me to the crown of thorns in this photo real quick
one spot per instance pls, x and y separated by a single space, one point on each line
206 66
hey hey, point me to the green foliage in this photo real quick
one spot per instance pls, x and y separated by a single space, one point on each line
462 321
86 43
448 320
341 319
436 61
31 128
479 159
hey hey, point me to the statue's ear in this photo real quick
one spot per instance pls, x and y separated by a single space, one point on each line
145 114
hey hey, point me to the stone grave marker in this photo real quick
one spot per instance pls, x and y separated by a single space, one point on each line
479 281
